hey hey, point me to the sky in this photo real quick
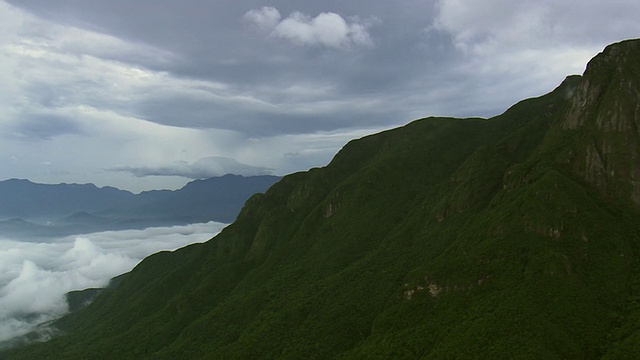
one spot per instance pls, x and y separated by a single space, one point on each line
35 276
152 94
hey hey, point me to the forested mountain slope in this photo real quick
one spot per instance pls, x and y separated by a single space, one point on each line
512 237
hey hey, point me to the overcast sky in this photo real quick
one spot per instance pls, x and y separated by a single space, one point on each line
149 94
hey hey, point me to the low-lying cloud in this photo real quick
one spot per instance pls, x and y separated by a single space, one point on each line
212 166
35 276
328 28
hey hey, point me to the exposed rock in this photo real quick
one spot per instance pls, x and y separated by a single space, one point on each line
604 112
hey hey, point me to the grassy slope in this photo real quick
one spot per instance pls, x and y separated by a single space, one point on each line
526 259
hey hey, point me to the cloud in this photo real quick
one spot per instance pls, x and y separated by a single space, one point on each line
472 26
43 126
328 28
265 18
503 25
504 48
35 276
52 74
204 168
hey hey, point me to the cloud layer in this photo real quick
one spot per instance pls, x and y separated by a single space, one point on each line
35 276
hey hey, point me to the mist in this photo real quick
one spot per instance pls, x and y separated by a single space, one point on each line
35 276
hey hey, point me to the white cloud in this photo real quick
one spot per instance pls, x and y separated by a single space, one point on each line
265 18
499 26
473 25
328 29
34 277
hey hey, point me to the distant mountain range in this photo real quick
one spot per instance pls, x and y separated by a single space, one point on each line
31 209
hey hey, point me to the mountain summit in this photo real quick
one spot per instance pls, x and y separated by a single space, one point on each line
512 237
603 121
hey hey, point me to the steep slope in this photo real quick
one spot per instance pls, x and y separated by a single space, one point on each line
444 238
603 122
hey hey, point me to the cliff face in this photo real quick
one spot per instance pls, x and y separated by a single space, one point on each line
604 117
515 236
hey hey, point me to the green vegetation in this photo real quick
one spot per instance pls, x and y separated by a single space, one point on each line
446 238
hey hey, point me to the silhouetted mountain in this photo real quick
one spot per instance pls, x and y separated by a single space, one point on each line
218 198
63 209
16 227
28 200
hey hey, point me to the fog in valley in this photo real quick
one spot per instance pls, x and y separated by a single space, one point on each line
36 275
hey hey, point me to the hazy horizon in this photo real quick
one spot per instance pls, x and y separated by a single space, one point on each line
177 186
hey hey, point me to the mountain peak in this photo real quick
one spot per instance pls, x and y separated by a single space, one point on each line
614 69
603 119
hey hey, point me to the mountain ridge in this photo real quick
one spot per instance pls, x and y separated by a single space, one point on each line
470 238
64 209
